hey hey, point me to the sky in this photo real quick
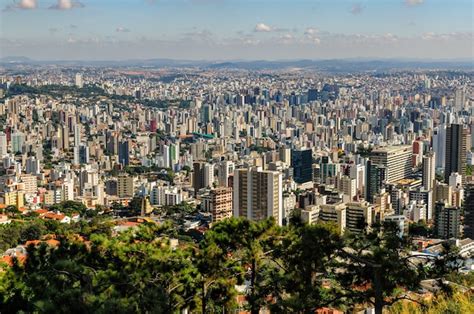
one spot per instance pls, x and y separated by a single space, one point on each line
236 29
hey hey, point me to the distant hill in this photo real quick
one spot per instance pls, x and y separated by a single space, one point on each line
13 59
330 65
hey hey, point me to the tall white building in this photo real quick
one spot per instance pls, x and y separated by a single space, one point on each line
226 168
258 194
77 135
208 175
429 171
3 144
396 159
18 139
79 82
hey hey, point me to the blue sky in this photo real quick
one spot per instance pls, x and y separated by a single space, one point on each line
236 29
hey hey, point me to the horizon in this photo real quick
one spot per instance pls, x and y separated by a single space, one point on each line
235 30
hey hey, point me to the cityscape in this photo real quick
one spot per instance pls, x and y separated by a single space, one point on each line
320 173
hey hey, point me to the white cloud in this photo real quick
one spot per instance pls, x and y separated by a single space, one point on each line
413 3
311 31
22 5
311 35
121 29
28 4
261 27
66 5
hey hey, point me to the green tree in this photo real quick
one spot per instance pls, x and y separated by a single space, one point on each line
307 256
378 267
251 243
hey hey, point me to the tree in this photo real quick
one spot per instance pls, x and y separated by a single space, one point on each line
219 271
420 229
134 272
378 268
251 244
12 210
307 257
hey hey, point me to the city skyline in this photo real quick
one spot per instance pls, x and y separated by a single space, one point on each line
236 30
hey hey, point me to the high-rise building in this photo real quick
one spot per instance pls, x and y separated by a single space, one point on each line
30 183
457 139
125 187
206 113
198 176
375 178
64 137
285 155
439 145
124 153
221 203
32 165
301 161
447 221
81 154
258 194
312 94
79 82
396 159
425 196
469 210
429 171
208 175
3 144
18 138
225 170
77 135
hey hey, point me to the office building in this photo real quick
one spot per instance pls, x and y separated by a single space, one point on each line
124 153
457 143
396 159
358 216
469 210
335 213
301 161
376 176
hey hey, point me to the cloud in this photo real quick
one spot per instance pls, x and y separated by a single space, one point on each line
357 8
413 3
261 27
121 29
311 35
66 5
311 31
53 30
22 5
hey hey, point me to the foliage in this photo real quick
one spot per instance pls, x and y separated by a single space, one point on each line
420 229
457 303
293 269
378 268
